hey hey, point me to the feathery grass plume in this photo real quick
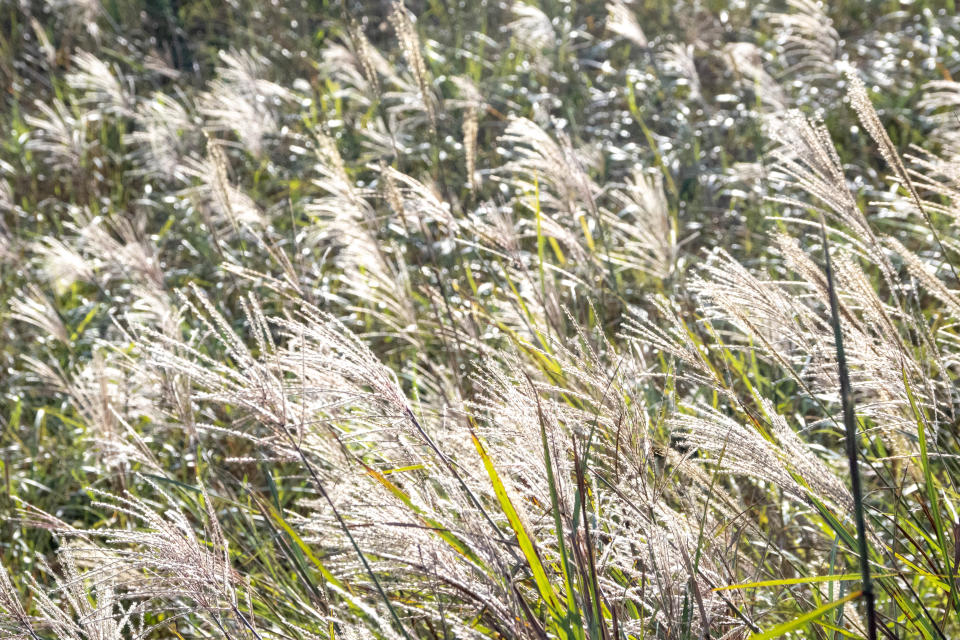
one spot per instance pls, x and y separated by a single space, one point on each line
6 195
679 60
470 94
14 619
940 94
621 21
62 264
470 131
871 122
59 135
343 64
43 40
156 63
345 220
110 393
806 155
645 230
663 331
79 13
927 276
315 342
473 105
104 88
785 325
379 285
937 178
241 101
818 479
228 212
861 103
370 61
91 609
781 323
358 65
33 307
538 158
168 559
811 44
881 362
406 33
385 139
748 62
15 622
418 202
943 97
164 139
343 199
738 449
232 203
119 247
532 29
559 366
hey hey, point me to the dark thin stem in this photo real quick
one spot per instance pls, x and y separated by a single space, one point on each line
246 623
850 427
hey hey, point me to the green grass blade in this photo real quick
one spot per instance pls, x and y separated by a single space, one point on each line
807 618
573 611
526 543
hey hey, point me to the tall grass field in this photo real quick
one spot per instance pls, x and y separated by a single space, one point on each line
479 319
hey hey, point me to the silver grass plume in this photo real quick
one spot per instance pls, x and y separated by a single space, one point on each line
83 607
809 39
365 53
33 307
103 85
871 122
533 32
748 62
680 61
162 142
358 66
410 45
537 158
241 101
15 622
59 135
622 22
645 228
943 97
473 105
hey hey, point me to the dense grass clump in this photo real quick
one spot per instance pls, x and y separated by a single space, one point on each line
577 320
